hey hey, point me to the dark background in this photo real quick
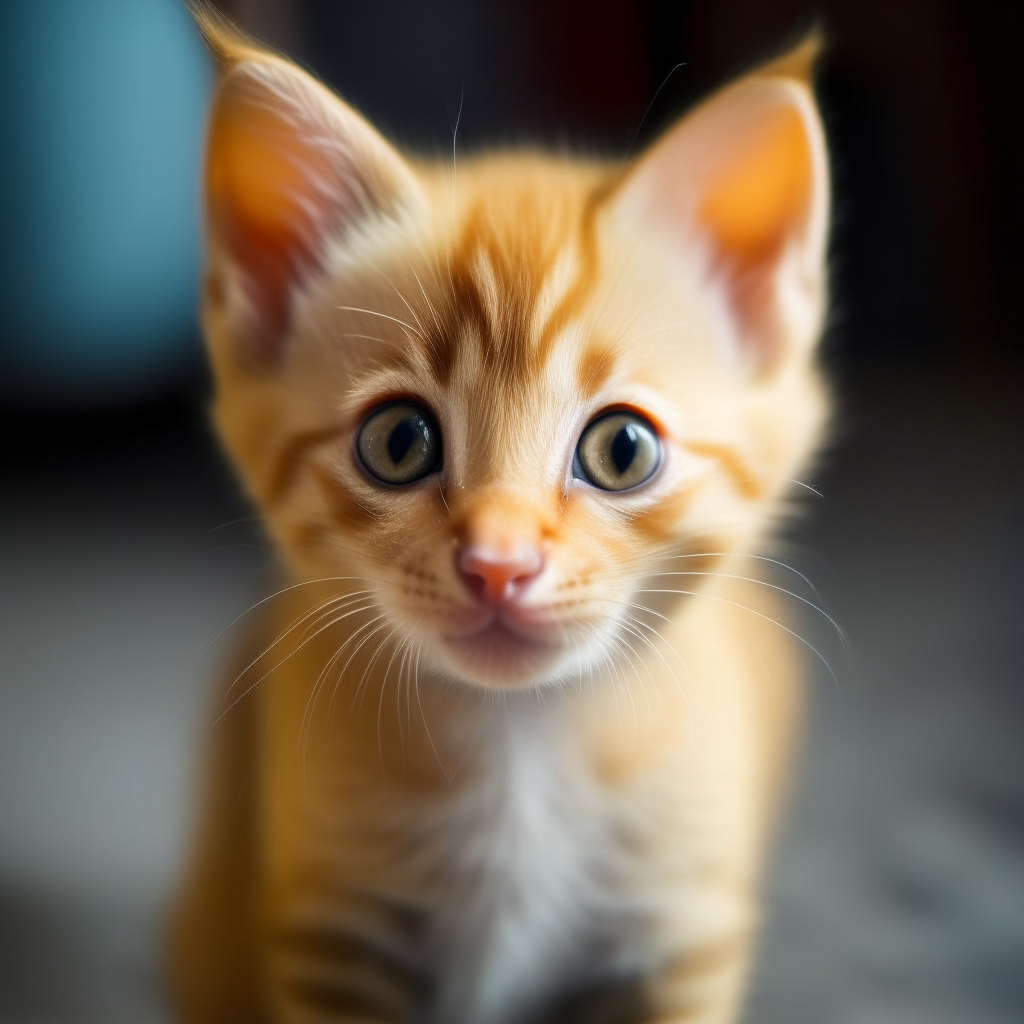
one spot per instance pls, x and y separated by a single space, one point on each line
898 894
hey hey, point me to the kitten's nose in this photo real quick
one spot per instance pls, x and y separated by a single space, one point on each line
495 576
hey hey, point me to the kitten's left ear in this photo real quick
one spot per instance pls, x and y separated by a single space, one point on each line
291 173
742 182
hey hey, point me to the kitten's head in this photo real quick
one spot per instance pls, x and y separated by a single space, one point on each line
507 397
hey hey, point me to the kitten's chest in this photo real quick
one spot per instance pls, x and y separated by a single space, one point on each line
535 862
529 878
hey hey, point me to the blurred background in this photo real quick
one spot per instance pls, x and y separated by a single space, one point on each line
897 895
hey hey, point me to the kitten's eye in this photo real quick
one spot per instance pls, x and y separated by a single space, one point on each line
617 451
400 443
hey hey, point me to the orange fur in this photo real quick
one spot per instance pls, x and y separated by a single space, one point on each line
403 825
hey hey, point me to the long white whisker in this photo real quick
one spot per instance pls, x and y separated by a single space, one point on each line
636 658
364 337
383 686
753 611
323 610
807 487
762 583
307 713
634 622
385 316
249 689
406 649
455 137
759 558
682 661
400 294
629 691
354 652
423 718
270 597
430 305
364 679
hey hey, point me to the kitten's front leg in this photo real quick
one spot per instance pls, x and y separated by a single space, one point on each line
348 960
704 985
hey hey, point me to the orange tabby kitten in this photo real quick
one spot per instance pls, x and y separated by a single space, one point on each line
506 751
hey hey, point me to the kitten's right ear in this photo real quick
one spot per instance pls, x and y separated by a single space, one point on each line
290 171
742 183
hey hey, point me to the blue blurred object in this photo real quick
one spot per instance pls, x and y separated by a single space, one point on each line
102 125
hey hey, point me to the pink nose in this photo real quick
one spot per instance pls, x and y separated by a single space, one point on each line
496 576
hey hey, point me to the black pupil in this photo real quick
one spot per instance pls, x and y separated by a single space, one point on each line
402 437
624 447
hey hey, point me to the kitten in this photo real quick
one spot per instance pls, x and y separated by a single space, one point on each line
506 749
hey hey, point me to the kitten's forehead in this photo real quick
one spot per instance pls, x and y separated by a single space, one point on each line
520 269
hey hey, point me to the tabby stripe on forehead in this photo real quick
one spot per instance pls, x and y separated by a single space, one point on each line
519 266
289 458
577 292
743 477
502 332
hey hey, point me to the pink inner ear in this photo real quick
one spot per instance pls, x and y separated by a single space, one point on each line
756 201
760 194
271 195
741 174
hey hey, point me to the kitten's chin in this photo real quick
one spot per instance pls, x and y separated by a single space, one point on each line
500 658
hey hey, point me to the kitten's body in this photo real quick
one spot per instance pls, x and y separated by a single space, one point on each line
407 823
505 855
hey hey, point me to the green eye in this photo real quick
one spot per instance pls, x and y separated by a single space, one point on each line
399 443
617 451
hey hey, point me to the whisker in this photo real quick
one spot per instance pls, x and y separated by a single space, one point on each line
317 614
383 686
249 689
235 522
401 295
385 316
808 487
364 337
753 611
763 583
759 558
270 597
682 661
363 679
433 312
319 610
632 662
406 648
307 713
355 650
455 137
629 691
635 622
423 717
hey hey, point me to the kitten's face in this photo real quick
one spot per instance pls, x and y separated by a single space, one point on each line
504 404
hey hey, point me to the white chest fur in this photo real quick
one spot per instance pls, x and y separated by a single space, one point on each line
534 871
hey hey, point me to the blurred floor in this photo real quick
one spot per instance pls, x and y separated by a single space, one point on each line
898 896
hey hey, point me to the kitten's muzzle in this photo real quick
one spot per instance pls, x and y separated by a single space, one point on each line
499 639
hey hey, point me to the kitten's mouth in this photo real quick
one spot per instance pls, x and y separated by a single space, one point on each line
501 652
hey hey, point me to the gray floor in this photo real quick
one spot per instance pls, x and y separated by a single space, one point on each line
898 894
